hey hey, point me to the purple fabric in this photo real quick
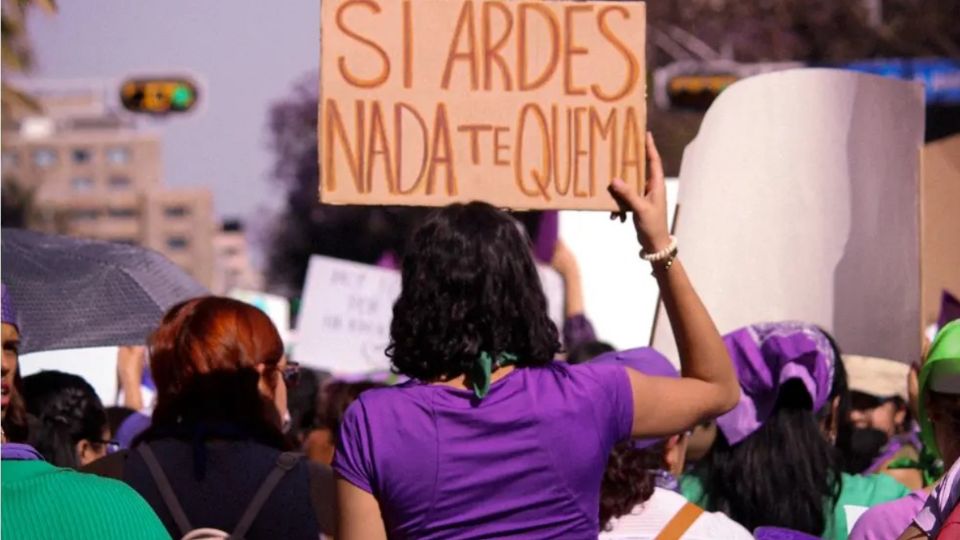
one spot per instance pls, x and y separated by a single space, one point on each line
949 309
9 315
891 448
19 452
546 240
577 330
389 260
526 461
889 519
765 357
130 428
777 533
648 361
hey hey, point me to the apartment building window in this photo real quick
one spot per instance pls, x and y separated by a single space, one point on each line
84 214
44 157
178 211
82 155
82 184
119 183
178 243
10 158
118 155
123 213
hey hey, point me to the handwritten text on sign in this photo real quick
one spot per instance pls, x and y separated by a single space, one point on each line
522 104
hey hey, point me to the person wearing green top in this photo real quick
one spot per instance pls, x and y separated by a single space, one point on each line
774 462
39 500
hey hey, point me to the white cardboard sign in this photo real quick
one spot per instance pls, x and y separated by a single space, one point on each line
799 199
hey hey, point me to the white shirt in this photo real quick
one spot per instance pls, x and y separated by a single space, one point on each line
646 521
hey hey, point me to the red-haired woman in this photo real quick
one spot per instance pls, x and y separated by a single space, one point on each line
216 436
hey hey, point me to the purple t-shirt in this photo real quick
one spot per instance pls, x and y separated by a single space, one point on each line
527 460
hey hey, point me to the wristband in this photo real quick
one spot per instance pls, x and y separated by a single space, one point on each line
664 253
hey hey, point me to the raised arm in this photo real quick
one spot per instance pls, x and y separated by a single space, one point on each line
708 386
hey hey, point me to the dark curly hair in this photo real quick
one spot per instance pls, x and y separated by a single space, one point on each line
469 286
628 480
67 410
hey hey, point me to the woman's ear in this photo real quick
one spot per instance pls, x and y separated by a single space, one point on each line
85 452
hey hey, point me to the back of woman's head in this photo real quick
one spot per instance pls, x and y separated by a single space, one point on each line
206 359
628 479
785 474
67 410
469 286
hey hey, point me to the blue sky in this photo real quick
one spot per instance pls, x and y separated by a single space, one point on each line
246 53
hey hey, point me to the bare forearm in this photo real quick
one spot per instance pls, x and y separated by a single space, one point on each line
703 355
573 293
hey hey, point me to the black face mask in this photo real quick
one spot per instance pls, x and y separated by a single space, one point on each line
865 446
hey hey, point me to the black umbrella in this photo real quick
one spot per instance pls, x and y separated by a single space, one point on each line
72 292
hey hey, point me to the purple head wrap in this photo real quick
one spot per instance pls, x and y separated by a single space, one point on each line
765 357
647 361
9 314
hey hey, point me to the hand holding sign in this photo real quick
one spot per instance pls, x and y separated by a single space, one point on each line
524 104
650 209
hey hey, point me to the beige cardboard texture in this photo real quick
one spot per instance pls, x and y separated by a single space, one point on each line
526 105
940 223
799 200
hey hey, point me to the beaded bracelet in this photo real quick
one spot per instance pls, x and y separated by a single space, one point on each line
662 254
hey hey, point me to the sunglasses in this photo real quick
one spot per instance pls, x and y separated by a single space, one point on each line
291 374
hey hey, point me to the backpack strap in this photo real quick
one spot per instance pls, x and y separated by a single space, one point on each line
285 462
680 522
166 490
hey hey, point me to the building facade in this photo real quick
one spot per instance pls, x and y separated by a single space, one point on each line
234 269
92 172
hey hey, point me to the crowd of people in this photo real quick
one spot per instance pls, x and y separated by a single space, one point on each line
502 425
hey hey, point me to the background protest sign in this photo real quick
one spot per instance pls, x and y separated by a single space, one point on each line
526 105
799 200
940 223
344 321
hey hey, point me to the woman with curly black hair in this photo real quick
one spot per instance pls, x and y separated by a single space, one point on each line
639 497
491 437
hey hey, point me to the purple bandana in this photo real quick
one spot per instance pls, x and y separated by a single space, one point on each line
765 357
649 362
9 314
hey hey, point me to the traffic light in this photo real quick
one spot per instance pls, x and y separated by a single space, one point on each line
697 91
158 95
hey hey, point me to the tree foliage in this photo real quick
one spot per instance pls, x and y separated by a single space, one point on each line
305 226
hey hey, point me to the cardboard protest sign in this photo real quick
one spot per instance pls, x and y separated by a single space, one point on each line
344 321
940 222
523 104
799 200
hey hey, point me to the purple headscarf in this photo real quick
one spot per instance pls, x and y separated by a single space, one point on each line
649 362
9 315
765 357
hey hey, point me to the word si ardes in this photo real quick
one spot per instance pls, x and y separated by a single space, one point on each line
408 113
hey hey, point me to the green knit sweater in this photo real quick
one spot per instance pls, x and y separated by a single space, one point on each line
39 501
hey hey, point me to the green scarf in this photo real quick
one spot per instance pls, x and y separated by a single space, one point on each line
484 367
943 360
